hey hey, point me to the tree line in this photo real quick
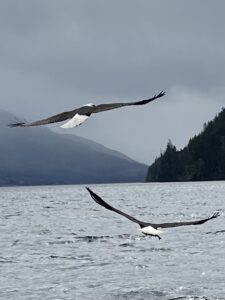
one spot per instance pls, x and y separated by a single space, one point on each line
202 159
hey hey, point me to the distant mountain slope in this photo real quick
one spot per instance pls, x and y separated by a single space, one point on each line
33 156
202 159
96 146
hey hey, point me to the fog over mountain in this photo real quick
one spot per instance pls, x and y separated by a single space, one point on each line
33 156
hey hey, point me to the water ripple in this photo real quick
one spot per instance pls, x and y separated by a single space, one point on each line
56 243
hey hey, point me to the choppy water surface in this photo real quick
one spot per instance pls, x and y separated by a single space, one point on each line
56 243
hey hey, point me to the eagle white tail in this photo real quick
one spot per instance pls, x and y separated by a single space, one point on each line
150 230
75 121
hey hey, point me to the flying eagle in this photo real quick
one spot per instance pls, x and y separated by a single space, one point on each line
151 229
79 115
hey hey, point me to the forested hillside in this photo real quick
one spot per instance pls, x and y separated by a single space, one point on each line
202 159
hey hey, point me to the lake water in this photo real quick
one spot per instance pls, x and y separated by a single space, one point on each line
57 243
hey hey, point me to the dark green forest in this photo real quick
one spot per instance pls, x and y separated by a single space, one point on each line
202 159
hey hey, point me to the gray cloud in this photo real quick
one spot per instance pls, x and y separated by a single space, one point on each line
57 55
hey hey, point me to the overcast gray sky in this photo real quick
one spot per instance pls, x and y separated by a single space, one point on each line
57 55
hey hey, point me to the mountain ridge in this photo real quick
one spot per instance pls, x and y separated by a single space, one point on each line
36 156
